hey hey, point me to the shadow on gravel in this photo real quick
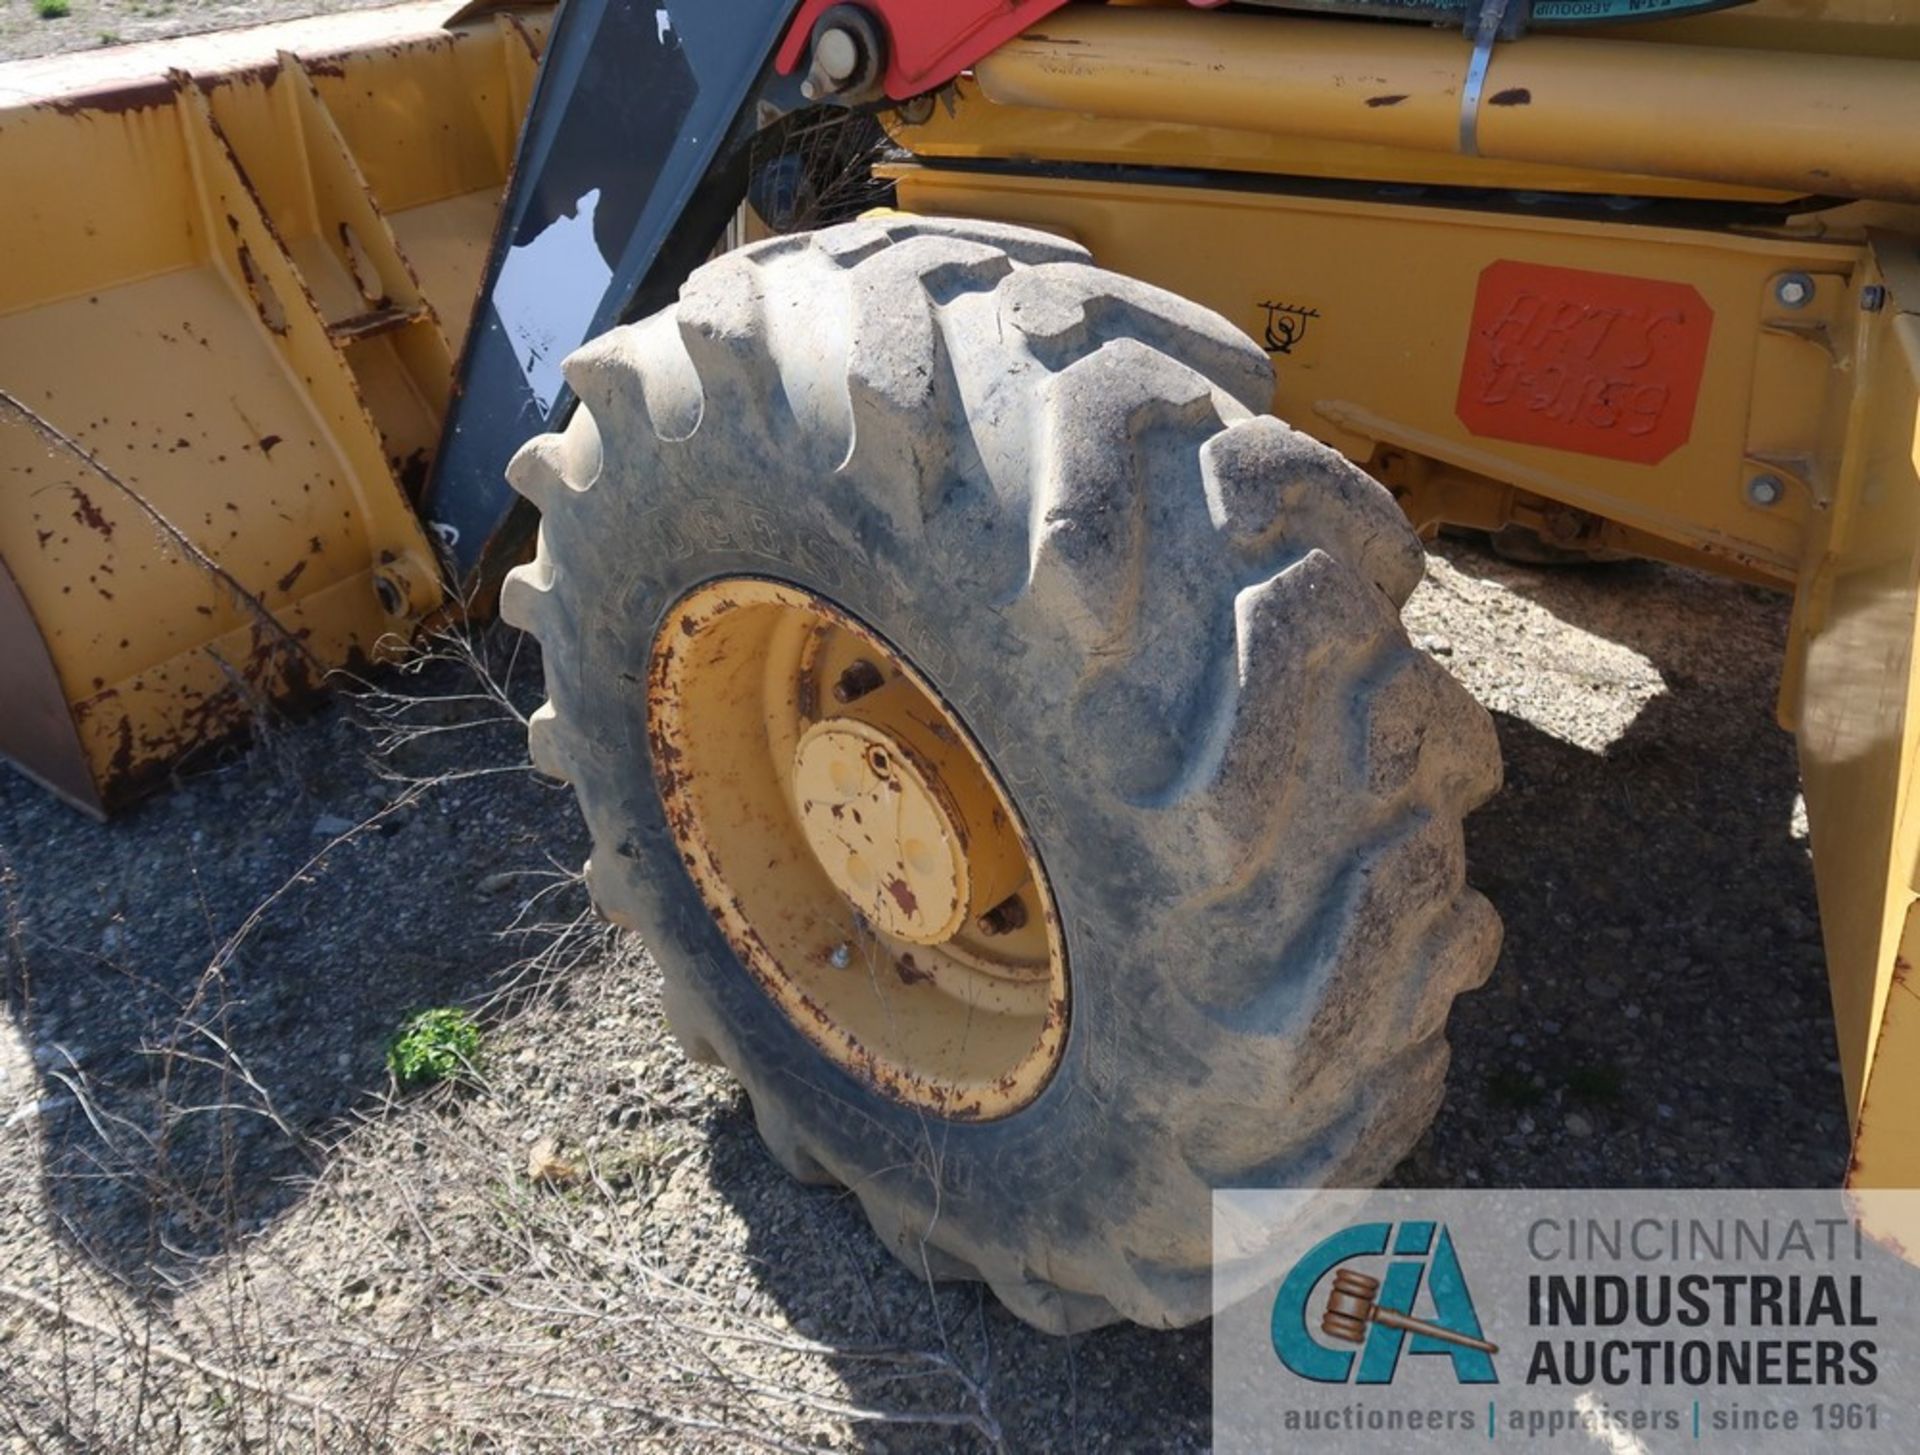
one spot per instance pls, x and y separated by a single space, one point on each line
1659 1015
206 986
822 1266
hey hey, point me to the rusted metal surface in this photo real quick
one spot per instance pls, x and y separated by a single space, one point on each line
247 315
918 998
1886 1154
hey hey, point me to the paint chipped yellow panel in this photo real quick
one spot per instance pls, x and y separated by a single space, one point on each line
227 318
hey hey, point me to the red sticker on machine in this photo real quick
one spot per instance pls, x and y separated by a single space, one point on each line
1596 363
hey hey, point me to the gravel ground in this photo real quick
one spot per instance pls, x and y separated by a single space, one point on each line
1658 1017
47 27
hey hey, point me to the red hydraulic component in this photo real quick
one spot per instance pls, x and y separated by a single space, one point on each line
929 42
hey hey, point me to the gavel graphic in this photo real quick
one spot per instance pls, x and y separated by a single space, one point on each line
1353 1305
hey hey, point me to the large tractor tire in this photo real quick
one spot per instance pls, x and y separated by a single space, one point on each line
1003 736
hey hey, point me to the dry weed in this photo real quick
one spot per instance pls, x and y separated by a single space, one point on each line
423 1290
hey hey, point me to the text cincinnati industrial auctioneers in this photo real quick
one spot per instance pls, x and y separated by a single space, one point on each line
1801 1324
1742 1321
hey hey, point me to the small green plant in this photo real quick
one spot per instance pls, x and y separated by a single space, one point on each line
51 9
434 1045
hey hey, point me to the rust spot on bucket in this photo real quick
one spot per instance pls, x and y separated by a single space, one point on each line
88 514
117 100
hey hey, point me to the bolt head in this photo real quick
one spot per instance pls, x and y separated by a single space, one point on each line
1873 298
860 678
1004 918
836 55
1795 290
392 593
1764 490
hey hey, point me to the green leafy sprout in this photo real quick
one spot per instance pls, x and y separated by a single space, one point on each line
51 9
434 1045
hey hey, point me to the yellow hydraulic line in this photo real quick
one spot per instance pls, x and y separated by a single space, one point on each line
1823 124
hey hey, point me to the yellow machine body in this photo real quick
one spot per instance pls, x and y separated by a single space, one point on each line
1217 157
1598 304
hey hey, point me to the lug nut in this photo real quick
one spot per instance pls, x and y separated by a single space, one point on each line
1766 490
1873 298
1004 918
860 678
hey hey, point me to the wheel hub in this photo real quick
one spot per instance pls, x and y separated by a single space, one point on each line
884 829
856 847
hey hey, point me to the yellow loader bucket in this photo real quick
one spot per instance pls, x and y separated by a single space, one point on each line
238 270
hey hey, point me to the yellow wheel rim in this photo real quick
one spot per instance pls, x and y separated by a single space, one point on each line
857 848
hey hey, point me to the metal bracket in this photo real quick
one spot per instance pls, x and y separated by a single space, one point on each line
1495 20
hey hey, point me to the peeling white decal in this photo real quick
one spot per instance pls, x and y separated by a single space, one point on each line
546 295
664 21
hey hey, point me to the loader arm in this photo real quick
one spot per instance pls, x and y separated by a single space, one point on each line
631 162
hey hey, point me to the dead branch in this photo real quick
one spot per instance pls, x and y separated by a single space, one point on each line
166 1353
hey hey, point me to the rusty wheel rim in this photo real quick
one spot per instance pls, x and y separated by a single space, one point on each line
857 848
